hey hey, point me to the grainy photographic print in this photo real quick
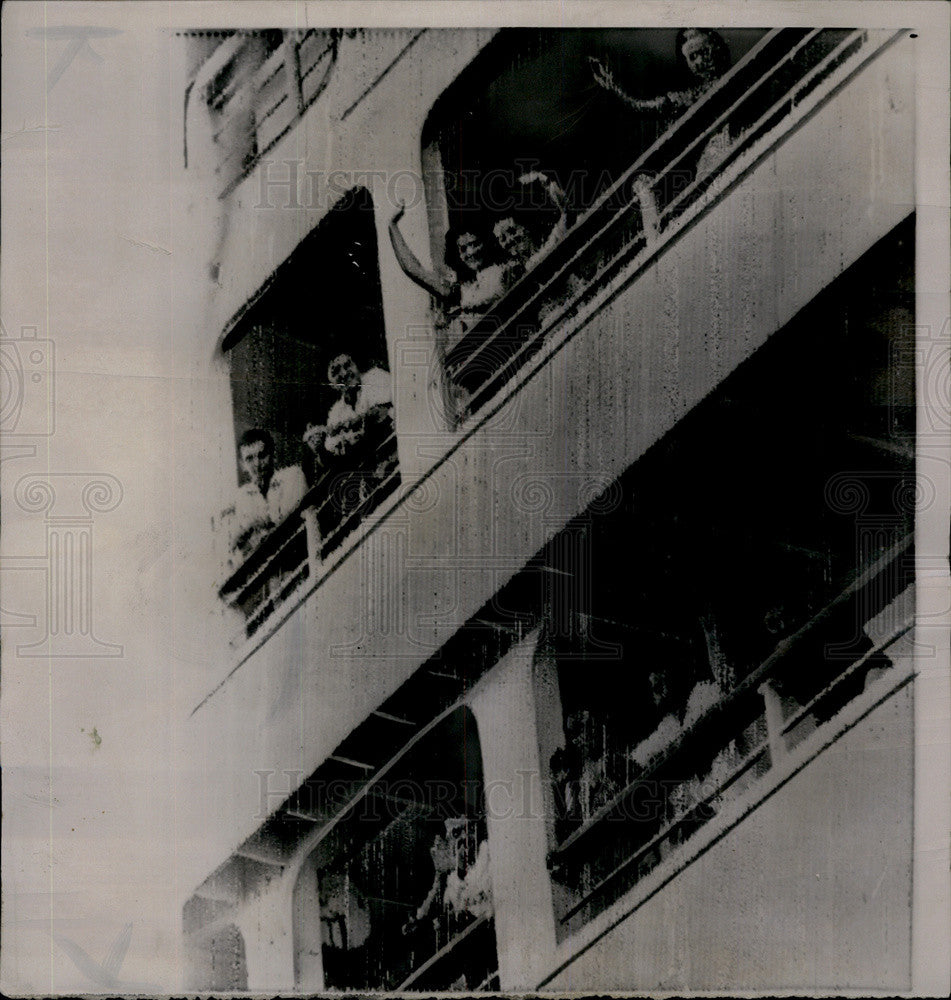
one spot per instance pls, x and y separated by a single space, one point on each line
475 490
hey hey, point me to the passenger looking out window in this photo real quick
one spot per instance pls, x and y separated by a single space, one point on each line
473 279
353 441
705 57
365 405
538 223
461 888
265 500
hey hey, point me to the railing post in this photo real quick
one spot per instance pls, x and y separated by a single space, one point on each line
650 216
309 514
774 722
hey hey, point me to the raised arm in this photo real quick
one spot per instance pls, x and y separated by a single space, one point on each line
557 198
603 77
410 264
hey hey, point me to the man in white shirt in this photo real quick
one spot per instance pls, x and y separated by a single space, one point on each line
353 443
365 399
266 499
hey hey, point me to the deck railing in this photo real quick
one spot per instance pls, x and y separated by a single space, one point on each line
809 678
450 966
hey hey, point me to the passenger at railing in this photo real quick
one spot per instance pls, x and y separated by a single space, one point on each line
461 883
344 917
705 57
564 766
346 924
668 728
443 860
314 437
358 425
468 887
537 223
266 499
526 235
582 771
474 280
700 789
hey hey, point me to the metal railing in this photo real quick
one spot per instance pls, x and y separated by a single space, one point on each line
749 731
441 969
779 74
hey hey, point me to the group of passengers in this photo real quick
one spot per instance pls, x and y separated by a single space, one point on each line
481 264
597 763
461 886
354 446
606 747
483 259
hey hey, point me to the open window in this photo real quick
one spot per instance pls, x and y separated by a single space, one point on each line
531 102
401 883
626 167
766 560
309 368
530 106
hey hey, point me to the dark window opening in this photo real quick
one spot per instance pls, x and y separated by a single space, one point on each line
532 102
566 153
403 882
753 579
309 367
